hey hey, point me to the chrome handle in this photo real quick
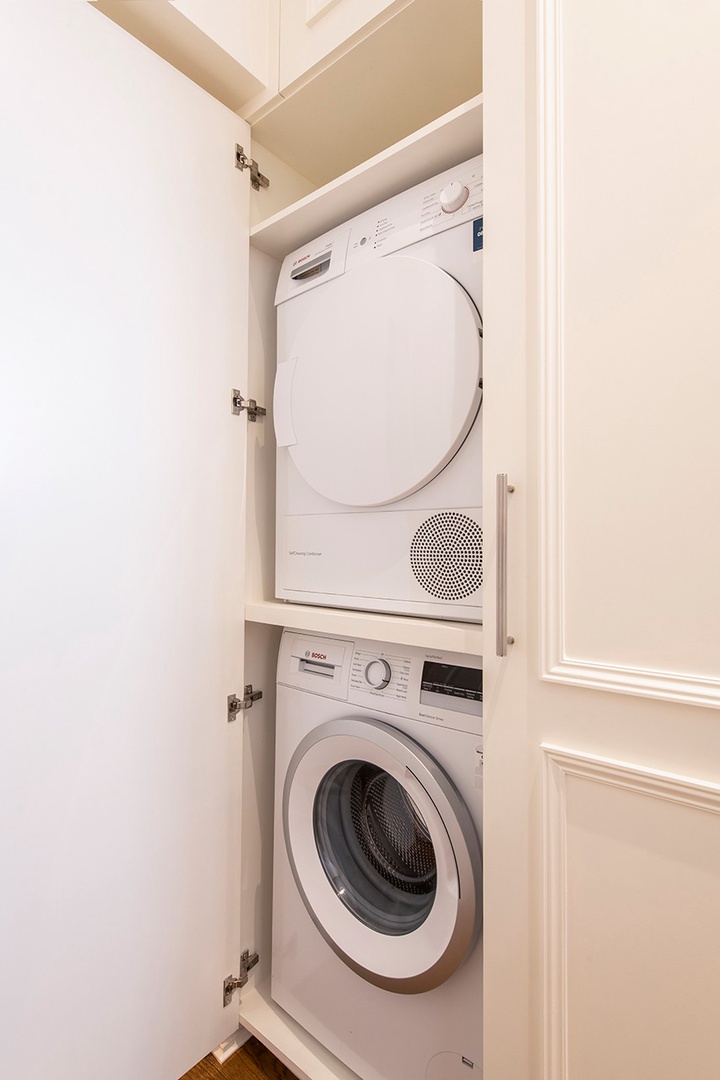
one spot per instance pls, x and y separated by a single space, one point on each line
501 635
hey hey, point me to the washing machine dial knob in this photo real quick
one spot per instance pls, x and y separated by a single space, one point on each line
378 673
453 196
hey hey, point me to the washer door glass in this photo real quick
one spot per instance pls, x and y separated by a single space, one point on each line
375 847
384 853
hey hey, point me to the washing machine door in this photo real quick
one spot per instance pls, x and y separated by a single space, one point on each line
384 853
381 382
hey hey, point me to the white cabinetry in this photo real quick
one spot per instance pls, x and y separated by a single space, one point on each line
228 48
314 31
137 863
356 79
122 481
602 831
125 614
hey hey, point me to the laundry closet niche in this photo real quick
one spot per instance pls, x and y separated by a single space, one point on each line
440 145
443 142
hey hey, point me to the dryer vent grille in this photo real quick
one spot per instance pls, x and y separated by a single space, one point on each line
446 556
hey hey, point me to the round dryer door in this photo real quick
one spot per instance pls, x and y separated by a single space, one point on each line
384 853
382 382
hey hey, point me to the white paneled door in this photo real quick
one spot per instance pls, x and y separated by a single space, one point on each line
123 260
602 757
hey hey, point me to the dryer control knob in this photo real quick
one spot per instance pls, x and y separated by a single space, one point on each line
453 197
378 673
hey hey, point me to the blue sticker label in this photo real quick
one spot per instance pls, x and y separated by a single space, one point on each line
477 234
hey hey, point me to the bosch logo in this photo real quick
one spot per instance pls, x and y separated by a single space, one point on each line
315 655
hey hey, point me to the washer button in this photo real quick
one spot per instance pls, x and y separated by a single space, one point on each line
378 673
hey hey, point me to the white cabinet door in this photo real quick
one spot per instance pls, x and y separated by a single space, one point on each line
314 30
123 331
602 843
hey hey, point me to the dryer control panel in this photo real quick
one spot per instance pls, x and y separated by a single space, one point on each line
437 687
446 200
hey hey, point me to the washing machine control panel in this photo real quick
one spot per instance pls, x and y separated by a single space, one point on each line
440 688
384 674
378 674
437 687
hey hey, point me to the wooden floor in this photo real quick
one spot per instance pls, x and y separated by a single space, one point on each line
252 1061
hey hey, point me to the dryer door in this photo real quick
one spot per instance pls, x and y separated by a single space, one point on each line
382 381
384 853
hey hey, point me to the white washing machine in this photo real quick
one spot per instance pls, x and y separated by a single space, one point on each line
377 889
377 407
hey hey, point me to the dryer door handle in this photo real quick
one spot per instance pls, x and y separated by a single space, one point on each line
282 403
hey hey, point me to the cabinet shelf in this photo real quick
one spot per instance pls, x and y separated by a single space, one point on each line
399 629
447 141
261 1016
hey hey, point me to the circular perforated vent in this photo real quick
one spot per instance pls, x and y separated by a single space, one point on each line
446 556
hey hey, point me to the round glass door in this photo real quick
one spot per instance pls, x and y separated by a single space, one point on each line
384 854
375 847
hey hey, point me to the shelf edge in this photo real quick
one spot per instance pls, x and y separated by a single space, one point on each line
288 1040
397 629
447 141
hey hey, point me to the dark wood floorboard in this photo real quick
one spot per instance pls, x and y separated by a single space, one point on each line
253 1061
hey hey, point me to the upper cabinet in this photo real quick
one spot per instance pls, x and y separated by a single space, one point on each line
400 71
228 48
314 32
325 84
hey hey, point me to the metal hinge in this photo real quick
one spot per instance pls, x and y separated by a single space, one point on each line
248 961
242 161
236 704
253 409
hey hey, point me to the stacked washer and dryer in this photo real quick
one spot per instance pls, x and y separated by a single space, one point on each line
377 893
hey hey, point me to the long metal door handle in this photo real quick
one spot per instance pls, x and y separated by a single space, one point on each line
501 635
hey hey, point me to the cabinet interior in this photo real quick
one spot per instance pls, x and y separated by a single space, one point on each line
438 146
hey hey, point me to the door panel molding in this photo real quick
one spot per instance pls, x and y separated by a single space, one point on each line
557 662
561 766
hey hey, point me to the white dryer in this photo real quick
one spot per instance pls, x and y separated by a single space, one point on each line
377 889
377 407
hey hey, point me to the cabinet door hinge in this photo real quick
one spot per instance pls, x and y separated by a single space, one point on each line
251 406
242 161
236 704
248 961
